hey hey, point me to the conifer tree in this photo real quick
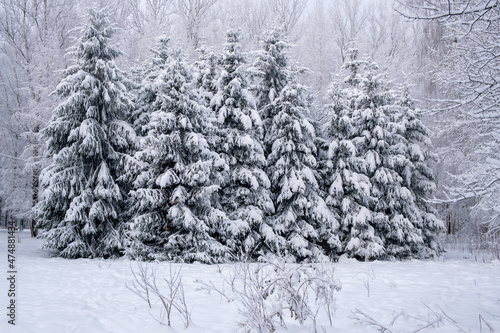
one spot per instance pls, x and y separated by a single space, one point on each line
400 220
397 216
306 227
412 135
145 77
271 69
351 161
370 169
244 195
174 216
144 93
206 74
87 138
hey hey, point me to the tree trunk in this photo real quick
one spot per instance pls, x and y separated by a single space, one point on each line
1 212
35 186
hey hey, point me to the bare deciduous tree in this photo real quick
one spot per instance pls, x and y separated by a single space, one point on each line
34 36
287 13
194 14
347 19
470 71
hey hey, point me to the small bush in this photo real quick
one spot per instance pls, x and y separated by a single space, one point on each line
268 292
172 298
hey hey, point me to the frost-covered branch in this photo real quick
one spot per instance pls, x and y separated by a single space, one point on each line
432 11
13 157
469 68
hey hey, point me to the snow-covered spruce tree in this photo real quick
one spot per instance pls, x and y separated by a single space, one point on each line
403 182
397 216
174 217
348 166
369 167
82 201
244 195
306 227
206 74
144 94
411 144
145 77
271 68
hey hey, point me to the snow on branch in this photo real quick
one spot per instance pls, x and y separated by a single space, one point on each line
13 157
433 12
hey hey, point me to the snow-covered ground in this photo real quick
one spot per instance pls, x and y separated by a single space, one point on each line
457 294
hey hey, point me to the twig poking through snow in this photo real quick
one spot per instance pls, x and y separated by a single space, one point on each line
482 320
365 319
145 286
264 293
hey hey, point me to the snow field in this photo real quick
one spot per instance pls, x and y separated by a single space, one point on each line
58 295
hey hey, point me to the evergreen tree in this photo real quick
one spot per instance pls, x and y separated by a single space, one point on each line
271 68
87 137
370 169
145 77
352 159
174 217
244 195
206 74
417 176
303 226
144 93
397 216
306 227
